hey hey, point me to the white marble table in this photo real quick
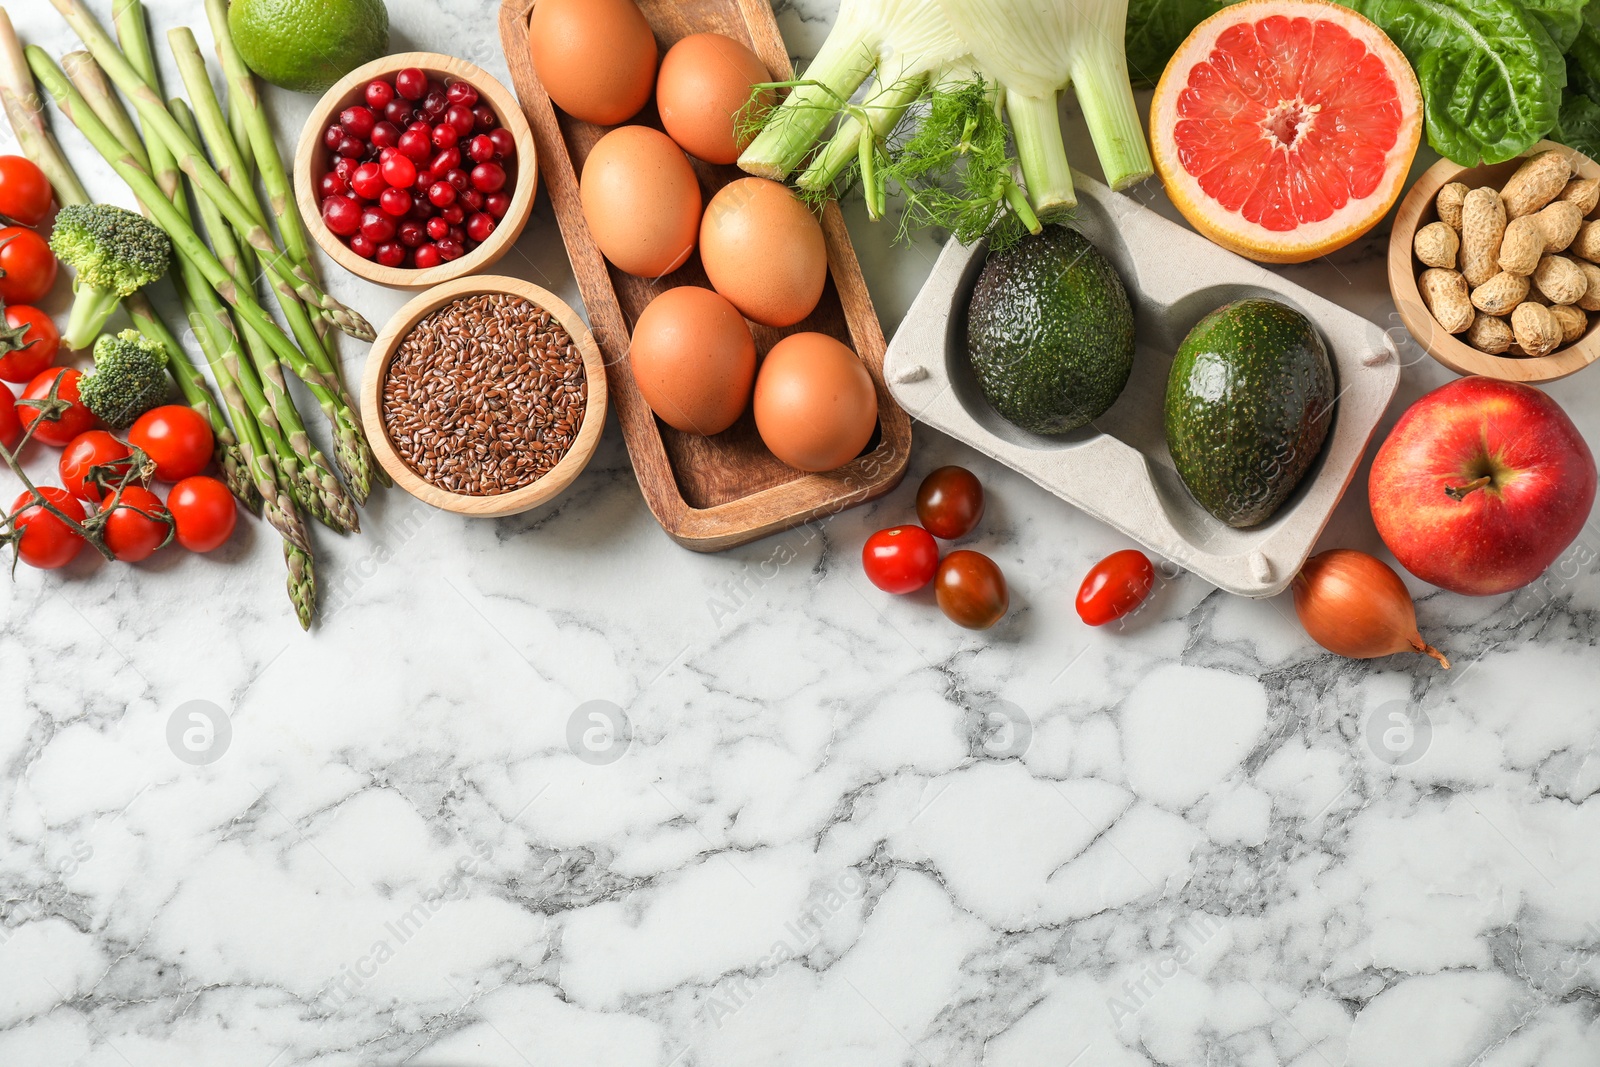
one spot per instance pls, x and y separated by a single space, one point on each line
835 829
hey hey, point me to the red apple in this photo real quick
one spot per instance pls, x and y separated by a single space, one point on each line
1481 486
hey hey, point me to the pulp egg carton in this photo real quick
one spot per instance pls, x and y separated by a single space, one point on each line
1118 468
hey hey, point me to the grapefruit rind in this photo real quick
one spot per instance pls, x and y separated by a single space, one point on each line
1228 227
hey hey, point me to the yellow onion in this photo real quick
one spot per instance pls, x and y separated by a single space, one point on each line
1355 605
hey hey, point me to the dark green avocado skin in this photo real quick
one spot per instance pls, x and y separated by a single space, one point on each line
1249 404
1050 332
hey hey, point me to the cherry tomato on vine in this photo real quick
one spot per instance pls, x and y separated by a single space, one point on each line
971 590
950 502
139 524
46 542
33 341
24 191
901 559
10 421
203 509
74 420
1115 586
177 439
27 266
83 454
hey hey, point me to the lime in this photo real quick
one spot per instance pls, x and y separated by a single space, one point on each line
307 45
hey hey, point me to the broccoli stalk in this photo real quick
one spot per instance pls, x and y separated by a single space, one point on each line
129 378
114 253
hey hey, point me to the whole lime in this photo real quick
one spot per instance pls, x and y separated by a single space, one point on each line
307 45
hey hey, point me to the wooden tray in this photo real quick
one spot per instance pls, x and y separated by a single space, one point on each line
708 493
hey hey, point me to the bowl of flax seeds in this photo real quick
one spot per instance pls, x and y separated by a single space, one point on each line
485 396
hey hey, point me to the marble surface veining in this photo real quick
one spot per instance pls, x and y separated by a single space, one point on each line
551 790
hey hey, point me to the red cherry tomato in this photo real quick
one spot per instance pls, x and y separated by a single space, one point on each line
74 420
1115 586
46 542
901 559
10 422
138 525
177 439
24 190
204 511
950 502
35 341
27 266
88 451
971 590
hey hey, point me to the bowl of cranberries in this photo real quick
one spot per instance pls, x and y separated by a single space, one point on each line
415 169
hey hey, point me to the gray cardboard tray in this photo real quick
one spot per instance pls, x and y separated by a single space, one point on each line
1118 469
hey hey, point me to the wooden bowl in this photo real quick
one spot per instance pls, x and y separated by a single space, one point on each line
529 496
312 160
1416 211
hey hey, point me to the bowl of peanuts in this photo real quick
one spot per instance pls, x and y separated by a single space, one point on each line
1496 269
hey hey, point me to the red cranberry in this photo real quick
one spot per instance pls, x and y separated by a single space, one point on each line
330 184
460 117
363 247
395 202
459 179
385 153
341 215
332 136
399 112
411 83
497 204
421 209
427 256
378 94
451 249
376 226
453 214
416 145
487 120
391 254
444 135
437 228
351 147
461 93
472 199
434 104
441 194
368 181
488 177
447 160
345 168
358 121
385 134
481 148
505 145
479 227
412 233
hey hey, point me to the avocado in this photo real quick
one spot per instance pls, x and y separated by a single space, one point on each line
1050 332
1249 404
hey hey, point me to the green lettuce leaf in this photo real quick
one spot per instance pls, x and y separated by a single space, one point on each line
1155 30
1580 125
1491 75
1561 19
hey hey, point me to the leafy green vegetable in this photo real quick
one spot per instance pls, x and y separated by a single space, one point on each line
1580 125
1491 75
1560 19
1155 30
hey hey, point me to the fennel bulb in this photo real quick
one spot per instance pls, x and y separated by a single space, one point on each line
1035 49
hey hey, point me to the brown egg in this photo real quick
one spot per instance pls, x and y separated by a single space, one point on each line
814 403
694 360
763 250
641 200
703 93
596 58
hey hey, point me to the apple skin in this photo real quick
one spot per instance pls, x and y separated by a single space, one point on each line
1502 536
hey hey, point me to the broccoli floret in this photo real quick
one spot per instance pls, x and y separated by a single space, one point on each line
129 378
113 252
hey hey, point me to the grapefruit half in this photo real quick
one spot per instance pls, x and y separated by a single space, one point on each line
1284 129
